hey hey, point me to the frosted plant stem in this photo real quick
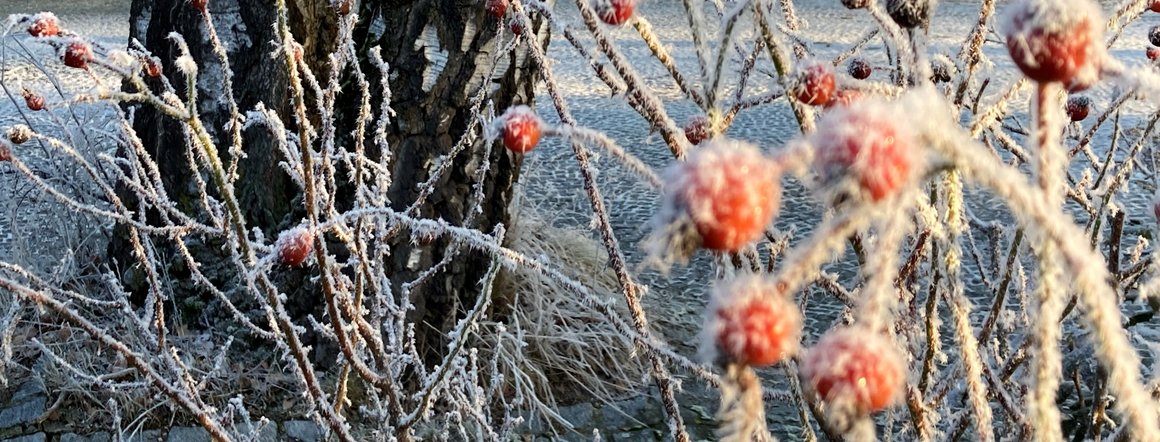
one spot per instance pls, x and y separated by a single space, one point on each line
599 139
879 296
139 362
804 116
661 53
654 109
697 28
970 54
629 288
1101 312
961 308
1050 296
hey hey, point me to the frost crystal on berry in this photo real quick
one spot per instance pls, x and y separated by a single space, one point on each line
77 54
859 69
1055 40
697 130
814 82
750 322
294 246
721 198
864 150
854 370
44 24
1078 107
521 129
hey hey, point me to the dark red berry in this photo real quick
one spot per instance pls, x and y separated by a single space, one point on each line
1155 6
697 130
497 8
294 246
859 69
34 101
1078 107
78 54
1153 53
516 26
152 67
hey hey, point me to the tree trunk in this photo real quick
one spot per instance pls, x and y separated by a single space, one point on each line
438 52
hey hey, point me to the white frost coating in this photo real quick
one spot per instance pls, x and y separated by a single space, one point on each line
730 310
697 187
1038 28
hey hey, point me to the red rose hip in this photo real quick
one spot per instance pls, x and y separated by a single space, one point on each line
521 129
1155 6
859 69
751 322
727 190
77 54
33 100
865 146
497 8
614 12
294 246
855 369
1055 40
1078 107
814 83
1152 53
44 24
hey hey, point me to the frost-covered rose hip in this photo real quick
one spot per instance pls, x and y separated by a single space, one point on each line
497 8
77 54
294 246
33 100
1078 107
516 26
814 82
1152 53
1155 6
521 129
44 24
859 68
727 191
1055 40
751 322
855 369
697 130
614 12
866 146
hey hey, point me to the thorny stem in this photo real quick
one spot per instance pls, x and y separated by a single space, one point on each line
1049 295
805 118
629 287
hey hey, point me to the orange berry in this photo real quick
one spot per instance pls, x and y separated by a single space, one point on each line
521 129
855 368
752 322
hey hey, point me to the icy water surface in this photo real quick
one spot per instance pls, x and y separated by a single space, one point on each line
551 180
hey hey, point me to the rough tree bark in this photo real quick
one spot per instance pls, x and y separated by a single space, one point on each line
439 52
